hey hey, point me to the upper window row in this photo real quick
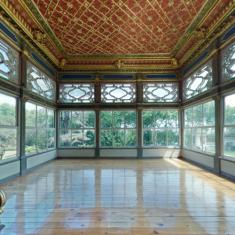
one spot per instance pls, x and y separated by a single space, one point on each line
118 92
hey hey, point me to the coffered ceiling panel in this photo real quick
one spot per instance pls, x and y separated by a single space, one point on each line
119 27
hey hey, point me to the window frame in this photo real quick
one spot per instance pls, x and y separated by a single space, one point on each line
113 129
36 127
58 130
202 127
15 127
155 129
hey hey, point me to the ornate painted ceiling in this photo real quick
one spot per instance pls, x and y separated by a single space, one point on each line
119 34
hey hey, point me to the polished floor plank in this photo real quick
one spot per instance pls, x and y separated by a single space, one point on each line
165 196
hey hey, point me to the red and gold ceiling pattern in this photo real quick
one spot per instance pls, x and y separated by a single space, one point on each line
119 27
118 34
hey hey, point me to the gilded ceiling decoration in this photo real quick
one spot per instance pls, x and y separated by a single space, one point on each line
118 34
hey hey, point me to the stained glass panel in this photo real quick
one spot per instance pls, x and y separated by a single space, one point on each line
118 93
39 83
198 82
76 93
160 92
9 63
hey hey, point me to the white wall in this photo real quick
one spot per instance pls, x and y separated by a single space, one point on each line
200 158
79 153
40 158
9 169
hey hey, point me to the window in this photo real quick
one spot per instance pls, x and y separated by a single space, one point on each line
160 92
198 82
228 62
77 129
118 129
9 62
160 128
40 128
8 127
199 127
229 125
76 93
118 93
39 83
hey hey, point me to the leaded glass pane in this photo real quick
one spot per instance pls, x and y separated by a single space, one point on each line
118 93
77 93
39 83
9 63
198 82
228 63
160 92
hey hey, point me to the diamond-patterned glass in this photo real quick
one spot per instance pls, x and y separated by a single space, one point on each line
9 61
198 82
160 92
118 93
76 93
39 83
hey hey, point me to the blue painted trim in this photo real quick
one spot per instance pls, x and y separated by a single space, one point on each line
76 77
8 32
43 64
157 76
118 77
228 34
197 61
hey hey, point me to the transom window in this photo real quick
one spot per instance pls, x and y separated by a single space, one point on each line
77 93
228 62
118 129
77 129
198 82
39 83
160 92
9 63
160 128
8 127
118 93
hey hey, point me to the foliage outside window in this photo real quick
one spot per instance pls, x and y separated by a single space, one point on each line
9 61
118 93
229 126
39 83
8 127
118 129
160 92
199 82
77 129
228 62
160 128
39 128
77 93
199 127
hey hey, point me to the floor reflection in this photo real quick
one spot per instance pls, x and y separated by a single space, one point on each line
119 197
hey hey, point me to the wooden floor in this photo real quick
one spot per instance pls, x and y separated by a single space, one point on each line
119 197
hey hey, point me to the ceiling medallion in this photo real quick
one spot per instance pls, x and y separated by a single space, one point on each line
39 36
62 62
200 33
119 64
